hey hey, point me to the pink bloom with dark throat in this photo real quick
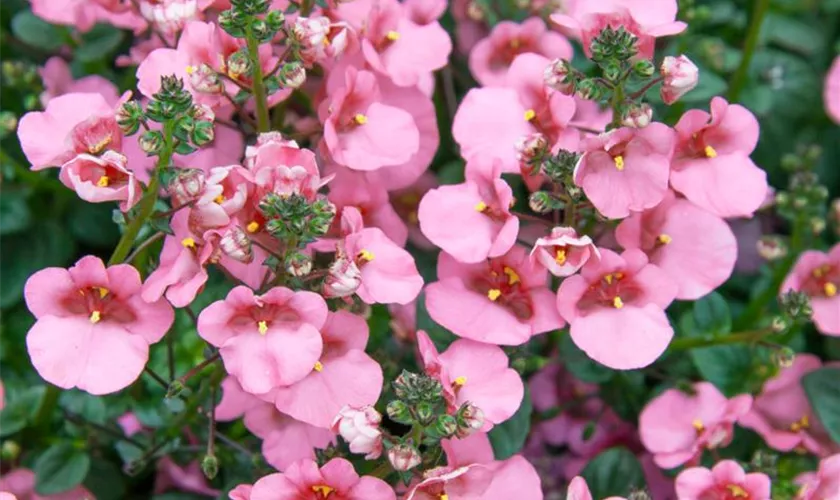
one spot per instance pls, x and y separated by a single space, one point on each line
563 252
336 480
725 481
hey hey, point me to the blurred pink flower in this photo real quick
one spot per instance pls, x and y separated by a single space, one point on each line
831 91
817 274
189 478
336 478
724 481
57 79
20 484
822 484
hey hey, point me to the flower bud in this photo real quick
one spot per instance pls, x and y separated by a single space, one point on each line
236 245
680 76
784 357
176 387
817 225
559 76
399 412
780 324
404 457
639 495
771 247
644 68
202 112
292 75
187 185
445 426
203 133
129 116
151 142
425 412
210 466
238 64
638 116
541 202
360 428
531 147
475 11
9 451
204 79
612 70
588 89
470 418
298 264
344 278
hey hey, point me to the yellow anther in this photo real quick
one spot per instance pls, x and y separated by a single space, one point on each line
323 490
262 326
737 491
444 496
664 239
191 69
710 152
830 289
102 291
219 199
252 226
619 276
103 181
515 43
560 256
392 36
513 278
698 425
188 243
95 316
619 162
820 271
608 278
366 255
97 148
530 115
319 367
480 206
360 119
493 294
459 382
617 302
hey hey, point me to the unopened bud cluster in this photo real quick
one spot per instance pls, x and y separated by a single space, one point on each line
295 218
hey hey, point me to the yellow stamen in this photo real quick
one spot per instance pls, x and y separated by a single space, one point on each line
830 289
366 255
480 206
460 381
619 162
801 424
698 425
103 181
664 239
619 276
263 327
493 294
252 226
319 367
710 152
560 256
530 115
102 291
360 119
737 491
515 43
95 316
444 496
323 490
97 148
191 69
820 271
617 302
219 199
609 279
392 36
513 278
188 243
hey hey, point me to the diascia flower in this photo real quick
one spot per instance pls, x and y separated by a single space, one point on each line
336 480
712 166
831 92
563 252
696 248
822 484
504 300
93 330
266 341
474 372
818 275
102 178
676 427
724 481
615 307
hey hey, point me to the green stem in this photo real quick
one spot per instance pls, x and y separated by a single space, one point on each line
684 344
739 78
382 470
47 406
260 95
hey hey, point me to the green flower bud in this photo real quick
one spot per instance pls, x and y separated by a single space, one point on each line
151 142
644 68
399 412
210 466
425 412
203 133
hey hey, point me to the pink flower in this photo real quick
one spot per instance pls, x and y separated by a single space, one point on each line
351 188
676 427
169 16
823 484
615 307
473 372
503 301
680 76
129 423
491 121
781 413
394 44
403 457
335 480
831 92
266 341
490 59
93 330
694 247
579 490
817 274
84 14
20 484
471 221
360 428
711 164
342 376
626 169
645 19
241 492
189 478
72 124
102 178
284 439
360 132
563 252
385 272
726 480
58 81
319 39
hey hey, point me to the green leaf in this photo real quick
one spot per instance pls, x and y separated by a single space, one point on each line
509 437
614 472
99 43
20 410
61 468
711 316
105 480
92 224
581 365
82 404
793 34
728 367
14 211
34 31
823 389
